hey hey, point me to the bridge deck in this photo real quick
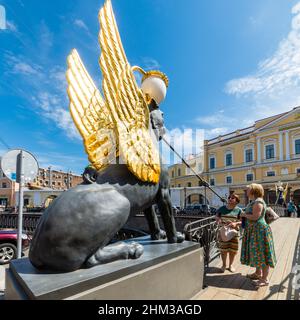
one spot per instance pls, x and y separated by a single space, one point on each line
235 286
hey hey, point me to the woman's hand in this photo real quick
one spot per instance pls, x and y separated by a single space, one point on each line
231 225
243 215
218 220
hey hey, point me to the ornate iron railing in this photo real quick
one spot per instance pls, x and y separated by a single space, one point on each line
10 220
204 231
280 210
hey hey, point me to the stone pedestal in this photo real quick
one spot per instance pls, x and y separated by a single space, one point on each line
164 271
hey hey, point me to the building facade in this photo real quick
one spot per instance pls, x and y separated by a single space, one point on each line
7 191
48 182
265 153
57 180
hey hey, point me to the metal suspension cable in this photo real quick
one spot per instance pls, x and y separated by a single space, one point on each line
203 182
5 144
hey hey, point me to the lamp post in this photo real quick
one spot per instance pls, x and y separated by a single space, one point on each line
184 197
50 177
205 200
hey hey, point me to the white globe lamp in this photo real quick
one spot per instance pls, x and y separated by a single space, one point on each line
155 88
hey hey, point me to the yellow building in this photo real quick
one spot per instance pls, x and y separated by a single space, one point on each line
267 152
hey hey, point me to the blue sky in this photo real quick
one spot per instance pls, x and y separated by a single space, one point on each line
230 62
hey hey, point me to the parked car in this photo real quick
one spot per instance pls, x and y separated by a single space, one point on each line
176 210
8 244
213 210
199 209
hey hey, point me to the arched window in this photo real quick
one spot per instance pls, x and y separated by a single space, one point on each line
248 153
212 162
228 158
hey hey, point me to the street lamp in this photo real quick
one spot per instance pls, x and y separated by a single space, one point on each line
184 197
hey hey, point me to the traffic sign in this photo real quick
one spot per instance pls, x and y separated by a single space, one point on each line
20 166
11 169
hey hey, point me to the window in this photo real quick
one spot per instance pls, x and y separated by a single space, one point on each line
189 184
212 182
228 159
228 180
249 177
271 174
4 185
172 174
179 172
298 171
297 146
179 185
270 151
212 163
249 155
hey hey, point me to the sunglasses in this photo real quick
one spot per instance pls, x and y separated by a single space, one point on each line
232 198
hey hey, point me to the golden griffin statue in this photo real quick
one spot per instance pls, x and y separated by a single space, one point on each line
118 124
76 229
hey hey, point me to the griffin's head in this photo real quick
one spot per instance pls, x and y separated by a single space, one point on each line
154 84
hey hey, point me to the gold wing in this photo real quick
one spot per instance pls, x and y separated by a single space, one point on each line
90 114
126 102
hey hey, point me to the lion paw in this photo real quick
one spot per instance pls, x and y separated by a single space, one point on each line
135 250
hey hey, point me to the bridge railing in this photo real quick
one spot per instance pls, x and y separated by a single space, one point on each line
204 231
10 221
280 210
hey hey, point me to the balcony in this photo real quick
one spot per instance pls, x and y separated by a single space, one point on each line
295 156
274 159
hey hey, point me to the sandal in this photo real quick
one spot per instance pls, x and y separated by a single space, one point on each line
223 269
253 276
231 269
262 283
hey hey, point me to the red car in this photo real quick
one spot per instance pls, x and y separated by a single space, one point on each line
8 244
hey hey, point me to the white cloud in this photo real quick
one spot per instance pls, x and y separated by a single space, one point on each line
47 92
150 64
46 38
19 65
185 142
79 23
215 132
25 69
218 124
50 106
271 89
277 78
60 161
11 26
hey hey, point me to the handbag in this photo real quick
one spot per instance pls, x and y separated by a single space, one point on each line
227 233
271 215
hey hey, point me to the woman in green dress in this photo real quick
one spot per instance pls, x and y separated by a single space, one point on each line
229 215
257 245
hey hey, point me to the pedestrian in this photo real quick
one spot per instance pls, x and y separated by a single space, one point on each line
229 215
292 209
257 243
